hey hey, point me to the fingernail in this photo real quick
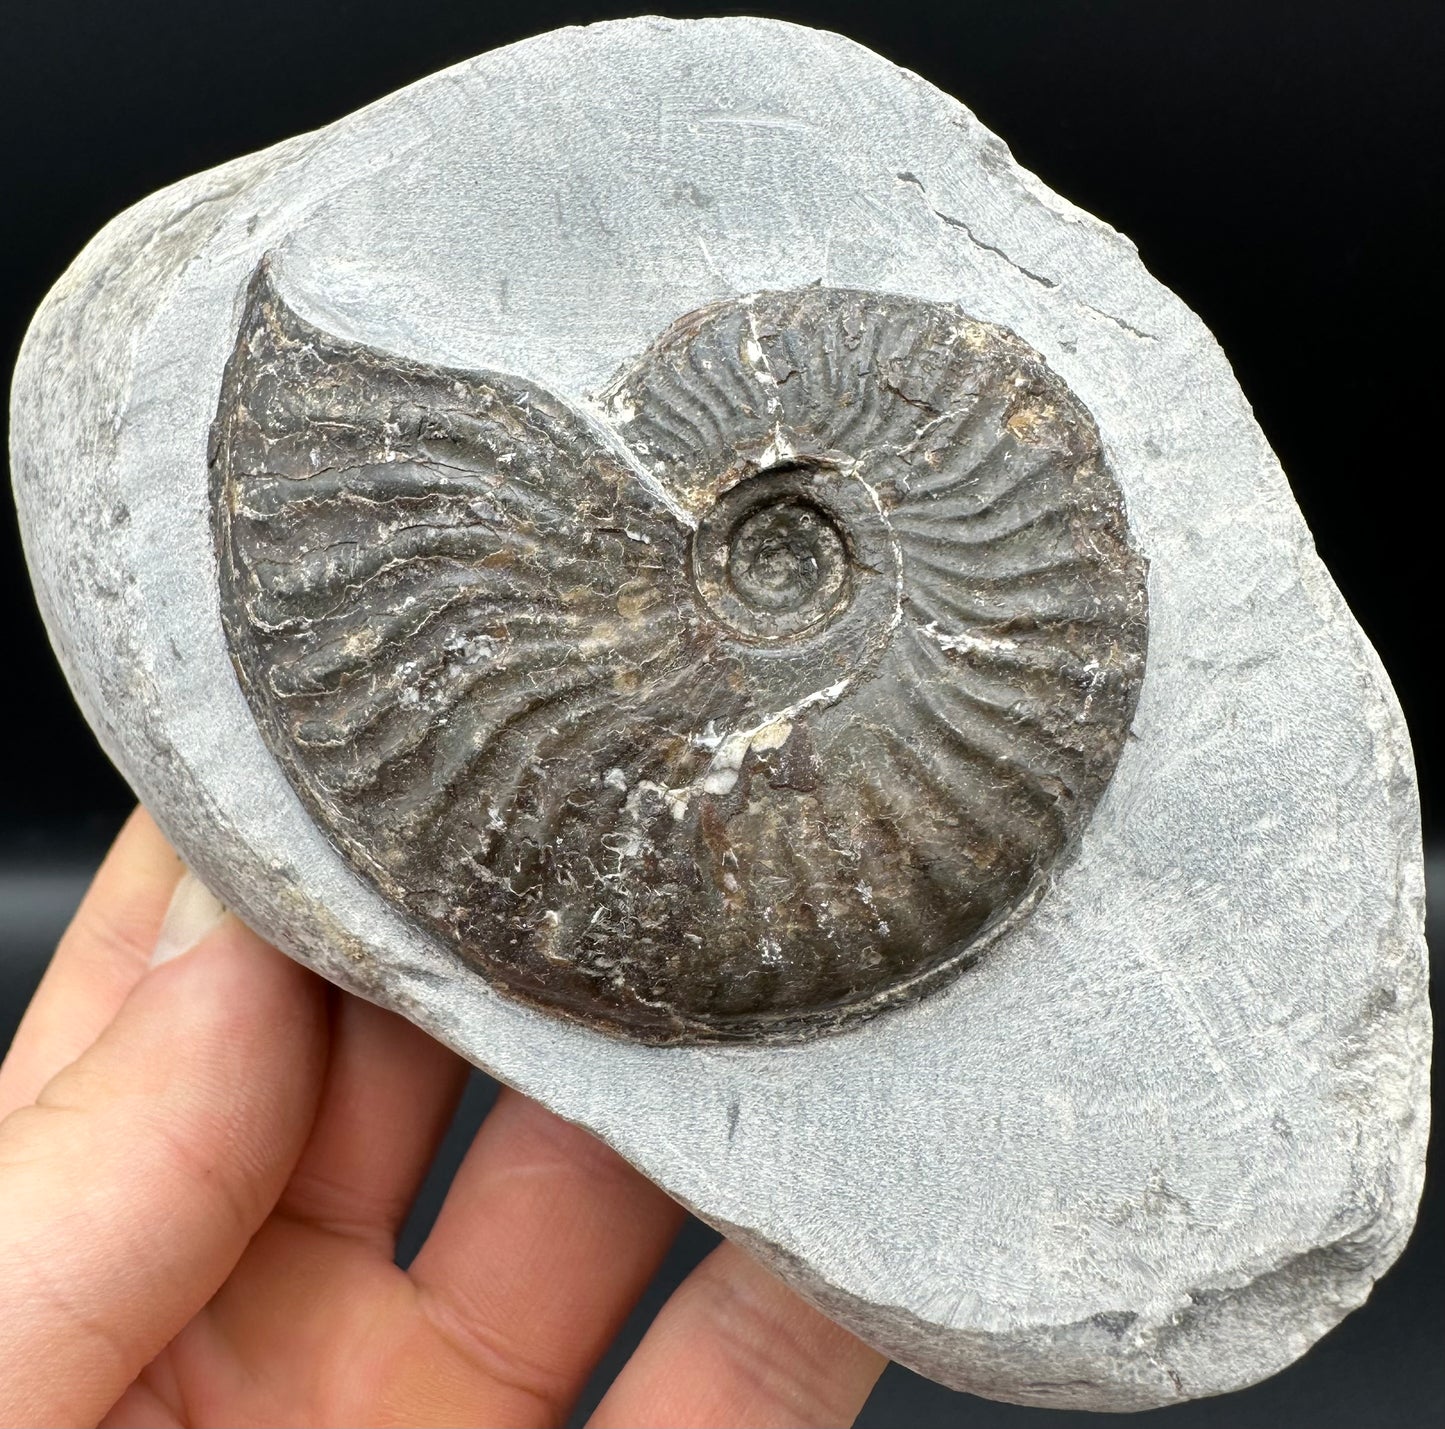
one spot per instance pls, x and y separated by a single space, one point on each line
194 910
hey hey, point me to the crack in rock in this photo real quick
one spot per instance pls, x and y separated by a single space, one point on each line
905 177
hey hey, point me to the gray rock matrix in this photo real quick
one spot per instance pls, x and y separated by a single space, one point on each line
1170 1128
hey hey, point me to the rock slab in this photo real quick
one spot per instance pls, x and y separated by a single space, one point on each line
1171 1128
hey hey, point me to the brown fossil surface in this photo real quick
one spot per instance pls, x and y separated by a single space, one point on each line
744 705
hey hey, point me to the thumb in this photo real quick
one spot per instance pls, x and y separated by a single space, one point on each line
132 1185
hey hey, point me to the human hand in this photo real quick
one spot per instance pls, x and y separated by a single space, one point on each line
204 1164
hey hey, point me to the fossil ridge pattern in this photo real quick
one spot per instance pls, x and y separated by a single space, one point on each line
745 704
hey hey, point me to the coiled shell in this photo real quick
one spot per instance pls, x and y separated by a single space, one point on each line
749 703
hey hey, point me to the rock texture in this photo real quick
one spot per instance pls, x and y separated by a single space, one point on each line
1171 1126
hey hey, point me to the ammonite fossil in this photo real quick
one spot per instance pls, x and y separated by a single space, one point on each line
744 704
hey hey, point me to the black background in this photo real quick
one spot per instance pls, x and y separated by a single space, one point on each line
1278 165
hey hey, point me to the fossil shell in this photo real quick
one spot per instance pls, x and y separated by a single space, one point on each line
751 702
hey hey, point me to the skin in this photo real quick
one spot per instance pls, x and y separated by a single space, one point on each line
204 1165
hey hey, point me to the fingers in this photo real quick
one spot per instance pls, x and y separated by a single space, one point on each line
390 1092
735 1346
135 1181
100 958
546 1240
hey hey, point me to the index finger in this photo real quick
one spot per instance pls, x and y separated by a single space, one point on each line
99 959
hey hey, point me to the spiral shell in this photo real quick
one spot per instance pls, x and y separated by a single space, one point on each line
749 703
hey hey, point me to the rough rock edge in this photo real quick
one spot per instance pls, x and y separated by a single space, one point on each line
72 384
